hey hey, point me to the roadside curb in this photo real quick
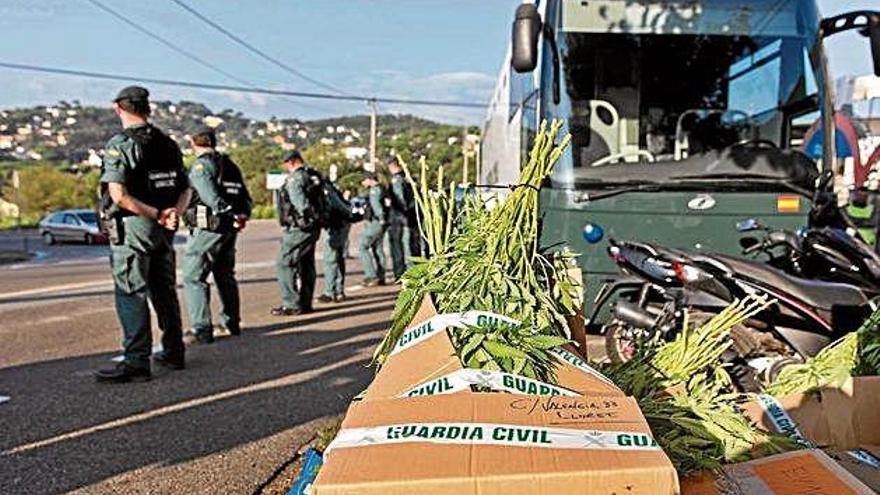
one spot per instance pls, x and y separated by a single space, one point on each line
15 256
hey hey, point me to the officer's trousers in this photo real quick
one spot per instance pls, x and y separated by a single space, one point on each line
296 268
335 240
396 245
211 253
372 255
144 271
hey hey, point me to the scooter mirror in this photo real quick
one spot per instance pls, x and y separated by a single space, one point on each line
747 225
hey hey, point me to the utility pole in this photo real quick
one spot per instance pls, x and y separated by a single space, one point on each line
16 186
464 153
372 105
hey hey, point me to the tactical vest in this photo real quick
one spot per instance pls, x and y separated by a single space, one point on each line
316 212
230 184
406 204
157 179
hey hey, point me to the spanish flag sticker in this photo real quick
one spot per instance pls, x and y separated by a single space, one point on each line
788 204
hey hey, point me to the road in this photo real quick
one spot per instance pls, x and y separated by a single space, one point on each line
223 425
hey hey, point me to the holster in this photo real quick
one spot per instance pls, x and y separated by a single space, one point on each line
110 220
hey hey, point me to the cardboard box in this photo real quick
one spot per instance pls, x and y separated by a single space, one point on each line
846 417
844 420
804 472
495 444
424 360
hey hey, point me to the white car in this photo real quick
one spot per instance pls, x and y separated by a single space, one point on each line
71 226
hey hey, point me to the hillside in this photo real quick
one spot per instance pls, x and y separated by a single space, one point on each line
73 133
57 149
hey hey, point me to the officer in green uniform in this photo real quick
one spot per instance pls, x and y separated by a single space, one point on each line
296 259
335 238
219 209
402 208
863 212
144 191
375 223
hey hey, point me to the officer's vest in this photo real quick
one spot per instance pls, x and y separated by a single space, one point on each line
230 184
863 217
157 179
404 205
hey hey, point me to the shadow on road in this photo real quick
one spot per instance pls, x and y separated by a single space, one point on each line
63 431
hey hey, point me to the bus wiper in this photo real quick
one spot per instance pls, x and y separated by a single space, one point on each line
746 179
589 197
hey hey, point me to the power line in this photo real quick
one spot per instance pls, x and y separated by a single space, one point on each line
174 47
165 42
256 50
240 89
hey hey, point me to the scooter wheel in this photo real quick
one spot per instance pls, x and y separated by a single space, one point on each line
773 371
619 347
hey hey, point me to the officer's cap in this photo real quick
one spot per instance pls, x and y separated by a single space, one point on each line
291 156
204 131
132 93
370 176
392 161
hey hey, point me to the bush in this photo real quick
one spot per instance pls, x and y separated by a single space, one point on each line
46 188
262 212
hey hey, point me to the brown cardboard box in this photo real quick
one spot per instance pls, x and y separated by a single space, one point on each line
804 472
433 358
525 445
840 419
846 417
865 472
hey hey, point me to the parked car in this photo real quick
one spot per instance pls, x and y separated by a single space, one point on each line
71 226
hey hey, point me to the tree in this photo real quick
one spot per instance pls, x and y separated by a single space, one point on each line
46 188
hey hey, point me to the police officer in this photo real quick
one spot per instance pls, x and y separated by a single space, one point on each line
862 210
219 209
375 223
296 259
402 208
335 239
144 191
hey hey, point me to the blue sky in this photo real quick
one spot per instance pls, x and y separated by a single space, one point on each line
436 49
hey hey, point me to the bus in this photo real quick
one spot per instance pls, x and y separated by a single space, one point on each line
686 117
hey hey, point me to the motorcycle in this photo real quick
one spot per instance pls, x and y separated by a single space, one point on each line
822 253
664 284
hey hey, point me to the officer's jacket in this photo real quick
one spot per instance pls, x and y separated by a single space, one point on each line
218 184
377 203
401 194
148 163
295 187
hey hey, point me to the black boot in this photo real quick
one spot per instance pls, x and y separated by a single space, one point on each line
170 361
123 373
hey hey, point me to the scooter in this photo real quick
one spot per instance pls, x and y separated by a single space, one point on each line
822 253
663 284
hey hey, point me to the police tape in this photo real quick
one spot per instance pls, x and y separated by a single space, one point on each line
782 422
492 434
579 363
500 381
427 329
866 457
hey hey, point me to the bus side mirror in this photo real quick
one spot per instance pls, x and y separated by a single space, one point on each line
874 35
526 29
866 21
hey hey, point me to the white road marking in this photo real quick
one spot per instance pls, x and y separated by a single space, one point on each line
56 288
4 398
276 383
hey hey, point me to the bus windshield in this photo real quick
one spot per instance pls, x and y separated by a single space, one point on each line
659 82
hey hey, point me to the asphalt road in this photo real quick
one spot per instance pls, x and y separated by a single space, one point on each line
223 425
